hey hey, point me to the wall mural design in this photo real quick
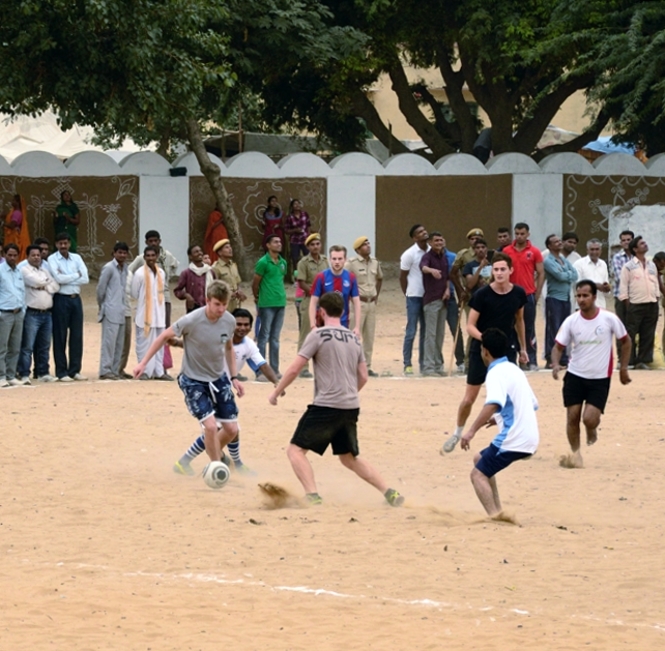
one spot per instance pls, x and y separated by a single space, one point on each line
249 197
108 205
592 204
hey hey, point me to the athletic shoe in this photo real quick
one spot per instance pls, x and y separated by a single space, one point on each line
262 378
393 497
242 469
25 380
241 378
638 367
181 468
372 373
126 376
80 378
4 383
450 444
314 499
15 382
226 459
108 376
408 370
165 378
47 378
305 373
66 378
460 369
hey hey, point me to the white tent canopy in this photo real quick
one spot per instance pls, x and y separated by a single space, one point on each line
21 134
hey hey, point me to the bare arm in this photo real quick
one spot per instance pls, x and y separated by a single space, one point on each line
256 282
363 376
521 335
380 282
626 346
231 363
268 371
402 280
290 374
557 351
540 279
486 413
471 327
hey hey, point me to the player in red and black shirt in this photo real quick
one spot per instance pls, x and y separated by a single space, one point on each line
338 280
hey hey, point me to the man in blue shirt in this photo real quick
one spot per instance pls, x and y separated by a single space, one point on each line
341 281
560 275
70 273
12 310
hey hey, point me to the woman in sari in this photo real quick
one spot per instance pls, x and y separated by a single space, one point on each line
273 221
67 218
16 227
215 231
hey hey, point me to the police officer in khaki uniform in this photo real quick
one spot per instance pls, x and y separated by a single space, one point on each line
227 270
464 257
367 270
308 269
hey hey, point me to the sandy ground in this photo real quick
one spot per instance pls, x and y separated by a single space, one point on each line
104 547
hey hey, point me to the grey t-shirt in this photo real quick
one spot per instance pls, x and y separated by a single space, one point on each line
205 344
336 353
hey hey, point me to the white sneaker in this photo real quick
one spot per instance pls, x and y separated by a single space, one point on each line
15 382
47 378
80 378
24 381
66 378
3 382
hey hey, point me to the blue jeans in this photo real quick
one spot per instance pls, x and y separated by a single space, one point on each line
556 312
414 316
272 320
37 328
530 329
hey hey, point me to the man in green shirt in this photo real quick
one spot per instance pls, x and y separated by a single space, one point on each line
270 297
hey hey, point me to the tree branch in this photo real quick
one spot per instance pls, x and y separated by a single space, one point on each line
363 108
578 143
449 130
532 129
211 172
414 116
455 92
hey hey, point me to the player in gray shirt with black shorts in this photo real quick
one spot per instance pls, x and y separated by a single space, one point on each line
340 372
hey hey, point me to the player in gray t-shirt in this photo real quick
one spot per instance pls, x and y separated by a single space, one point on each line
208 375
340 372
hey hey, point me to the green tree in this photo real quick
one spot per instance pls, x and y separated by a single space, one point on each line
494 48
156 70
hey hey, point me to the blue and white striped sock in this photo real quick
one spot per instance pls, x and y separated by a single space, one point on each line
194 450
234 451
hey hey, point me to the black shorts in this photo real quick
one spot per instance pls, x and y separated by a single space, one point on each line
320 427
477 370
577 390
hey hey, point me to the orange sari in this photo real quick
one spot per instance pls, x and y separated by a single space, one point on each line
22 238
215 231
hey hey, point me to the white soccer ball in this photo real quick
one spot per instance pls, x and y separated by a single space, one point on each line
216 474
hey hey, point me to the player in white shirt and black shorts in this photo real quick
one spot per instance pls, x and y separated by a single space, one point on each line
586 384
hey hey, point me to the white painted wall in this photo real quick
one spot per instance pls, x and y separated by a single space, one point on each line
164 206
351 210
537 200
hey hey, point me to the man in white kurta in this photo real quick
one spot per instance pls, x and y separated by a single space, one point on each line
148 290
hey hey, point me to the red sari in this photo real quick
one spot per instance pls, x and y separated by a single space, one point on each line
215 231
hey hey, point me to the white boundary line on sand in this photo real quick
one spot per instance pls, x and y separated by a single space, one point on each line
611 620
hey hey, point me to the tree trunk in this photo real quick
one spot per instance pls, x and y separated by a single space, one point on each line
211 172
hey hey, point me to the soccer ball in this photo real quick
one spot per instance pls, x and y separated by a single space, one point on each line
216 474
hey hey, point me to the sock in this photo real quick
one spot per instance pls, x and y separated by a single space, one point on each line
194 450
459 431
234 451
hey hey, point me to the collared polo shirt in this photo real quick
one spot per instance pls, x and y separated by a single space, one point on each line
524 265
